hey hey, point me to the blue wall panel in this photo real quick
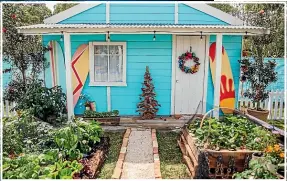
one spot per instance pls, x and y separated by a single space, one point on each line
232 45
6 76
142 13
142 51
189 15
96 14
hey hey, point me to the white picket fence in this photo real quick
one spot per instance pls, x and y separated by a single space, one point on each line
275 104
6 109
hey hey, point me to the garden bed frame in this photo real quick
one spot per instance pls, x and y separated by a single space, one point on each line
97 158
114 121
206 163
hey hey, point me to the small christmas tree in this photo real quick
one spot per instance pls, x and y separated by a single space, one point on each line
148 106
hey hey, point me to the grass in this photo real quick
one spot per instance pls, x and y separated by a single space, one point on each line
112 158
170 156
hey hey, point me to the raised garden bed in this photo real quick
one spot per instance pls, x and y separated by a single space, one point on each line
105 118
95 160
221 164
218 149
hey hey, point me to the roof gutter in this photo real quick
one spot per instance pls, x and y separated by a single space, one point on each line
149 30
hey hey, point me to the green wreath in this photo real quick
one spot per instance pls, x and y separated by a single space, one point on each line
186 57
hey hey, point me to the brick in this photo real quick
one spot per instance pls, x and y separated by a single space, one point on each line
123 150
157 165
127 133
154 143
155 157
155 150
125 142
122 156
153 136
117 173
157 173
120 164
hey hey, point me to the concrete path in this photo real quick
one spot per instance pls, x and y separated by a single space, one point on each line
139 162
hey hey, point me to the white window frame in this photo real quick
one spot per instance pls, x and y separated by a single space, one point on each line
92 64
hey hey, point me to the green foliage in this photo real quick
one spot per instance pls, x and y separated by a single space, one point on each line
58 155
260 168
24 133
41 101
259 75
25 54
231 133
78 138
43 166
90 113
59 7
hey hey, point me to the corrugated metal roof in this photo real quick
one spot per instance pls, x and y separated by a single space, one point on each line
133 25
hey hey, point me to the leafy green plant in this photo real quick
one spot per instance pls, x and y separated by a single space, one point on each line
24 133
90 113
43 102
232 133
260 168
41 166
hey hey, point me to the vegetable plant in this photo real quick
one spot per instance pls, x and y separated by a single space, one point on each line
90 113
231 132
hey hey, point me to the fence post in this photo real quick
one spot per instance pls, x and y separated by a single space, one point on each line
270 105
281 108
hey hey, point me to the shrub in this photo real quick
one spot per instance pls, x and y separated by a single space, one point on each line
91 113
41 101
24 133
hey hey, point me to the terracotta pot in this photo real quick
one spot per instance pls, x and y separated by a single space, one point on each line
93 106
262 115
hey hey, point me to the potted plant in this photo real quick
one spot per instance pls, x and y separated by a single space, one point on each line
86 101
259 75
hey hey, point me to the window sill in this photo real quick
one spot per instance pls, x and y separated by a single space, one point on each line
107 84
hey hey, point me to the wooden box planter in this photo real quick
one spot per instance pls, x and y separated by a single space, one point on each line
115 120
206 163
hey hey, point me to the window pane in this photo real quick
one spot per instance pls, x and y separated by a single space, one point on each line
101 49
116 63
101 68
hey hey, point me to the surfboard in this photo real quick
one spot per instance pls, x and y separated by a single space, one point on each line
55 58
80 70
227 91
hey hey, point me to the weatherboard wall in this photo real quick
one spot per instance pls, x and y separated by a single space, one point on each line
143 13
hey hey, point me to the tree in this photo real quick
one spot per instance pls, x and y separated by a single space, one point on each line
148 106
274 15
258 73
59 7
25 54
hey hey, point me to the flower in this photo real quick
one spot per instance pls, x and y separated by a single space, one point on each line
13 16
277 147
281 155
269 149
257 139
4 30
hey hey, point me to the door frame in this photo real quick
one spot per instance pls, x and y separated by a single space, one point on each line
173 77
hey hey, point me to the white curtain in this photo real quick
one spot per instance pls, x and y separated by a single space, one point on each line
101 63
108 64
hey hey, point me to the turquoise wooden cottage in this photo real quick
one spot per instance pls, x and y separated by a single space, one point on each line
102 49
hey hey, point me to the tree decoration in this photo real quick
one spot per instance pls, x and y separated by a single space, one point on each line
148 106
186 57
